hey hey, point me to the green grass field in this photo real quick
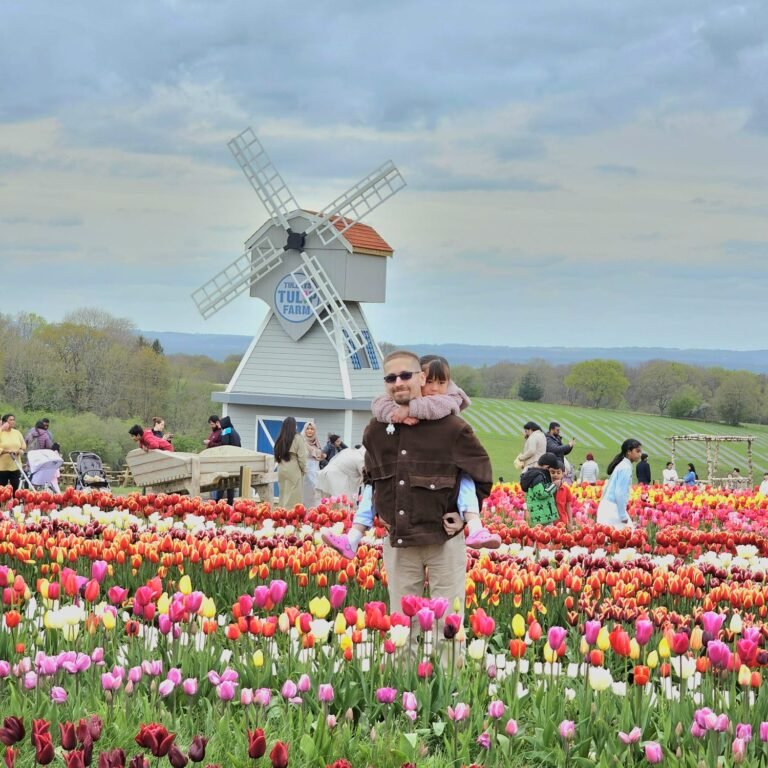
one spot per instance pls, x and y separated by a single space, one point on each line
499 425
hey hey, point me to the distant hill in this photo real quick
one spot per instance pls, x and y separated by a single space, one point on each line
220 346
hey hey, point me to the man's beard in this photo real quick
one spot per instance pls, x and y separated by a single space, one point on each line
402 398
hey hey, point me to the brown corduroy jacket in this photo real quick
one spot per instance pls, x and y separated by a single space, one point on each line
415 474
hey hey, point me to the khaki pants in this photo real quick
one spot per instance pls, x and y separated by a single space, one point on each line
407 571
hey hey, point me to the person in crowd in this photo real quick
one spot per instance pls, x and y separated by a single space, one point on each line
314 456
39 437
343 477
589 471
12 446
555 441
764 485
334 446
535 446
229 436
690 478
214 439
643 470
440 397
291 458
669 475
563 496
56 448
158 428
414 472
613 507
539 490
147 440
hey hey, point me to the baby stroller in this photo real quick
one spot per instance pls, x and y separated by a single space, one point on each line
43 470
89 471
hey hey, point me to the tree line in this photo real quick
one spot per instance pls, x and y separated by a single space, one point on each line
658 386
95 377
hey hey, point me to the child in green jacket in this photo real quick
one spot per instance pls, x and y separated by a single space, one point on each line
540 490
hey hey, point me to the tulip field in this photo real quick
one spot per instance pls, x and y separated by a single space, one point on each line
147 630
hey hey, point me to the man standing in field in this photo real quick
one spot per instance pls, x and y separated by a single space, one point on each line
414 471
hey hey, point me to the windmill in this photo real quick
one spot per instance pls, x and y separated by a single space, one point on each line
314 357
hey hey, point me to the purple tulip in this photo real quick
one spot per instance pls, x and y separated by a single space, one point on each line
555 637
484 740
744 731
591 631
410 702
58 695
386 695
653 752
719 654
30 680
164 624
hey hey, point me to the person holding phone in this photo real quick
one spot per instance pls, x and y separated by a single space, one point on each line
414 472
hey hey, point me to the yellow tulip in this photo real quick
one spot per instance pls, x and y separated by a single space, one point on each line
549 654
345 642
70 631
360 623
185 585
653 660
340 625
208 608
696 639
745 675
319 607
518 625
664 650
457 604
583 647
603 639
163 603
258 658
108 620
634 649
44 588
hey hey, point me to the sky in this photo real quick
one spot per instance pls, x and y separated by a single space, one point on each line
578 173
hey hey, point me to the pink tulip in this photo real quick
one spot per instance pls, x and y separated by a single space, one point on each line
289 689
459 712
439 606
496 709
166 688
739 749
632 737
330 721
226 691
712 622
484 740
164 624
325 693
338 594
744 731
426 619
555 637
653 752
764 731
722 723
110 682
99 569
174 675
97 655
246 697
698 731
409 701
643 631
117 595
134 674
262 696
386 695
58 695
193 601
719 654
260 596
277 590
567 730
245 603
304 684
511 727
5 668
30 680
190 686
411 604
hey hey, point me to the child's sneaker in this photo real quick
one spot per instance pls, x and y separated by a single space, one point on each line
483 539
341 544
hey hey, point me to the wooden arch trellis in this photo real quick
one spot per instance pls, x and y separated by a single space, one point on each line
712 443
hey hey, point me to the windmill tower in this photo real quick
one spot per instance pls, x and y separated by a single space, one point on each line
314 357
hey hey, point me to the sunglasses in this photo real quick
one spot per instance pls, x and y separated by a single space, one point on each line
391 378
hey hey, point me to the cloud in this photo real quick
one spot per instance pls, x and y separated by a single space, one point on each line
614 169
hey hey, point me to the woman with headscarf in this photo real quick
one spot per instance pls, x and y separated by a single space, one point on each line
314 457
535 446
291 458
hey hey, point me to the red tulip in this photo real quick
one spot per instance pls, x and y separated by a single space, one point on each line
680 643
44 752
10 757
176 757
12 731
74 759
279 755
197 749
68 735
257 744
155 738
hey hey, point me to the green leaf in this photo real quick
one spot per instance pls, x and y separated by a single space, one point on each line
307 745
438 728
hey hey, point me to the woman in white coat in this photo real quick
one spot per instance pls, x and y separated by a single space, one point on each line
612 509
343 475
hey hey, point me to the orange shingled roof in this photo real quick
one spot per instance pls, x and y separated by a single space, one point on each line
365 239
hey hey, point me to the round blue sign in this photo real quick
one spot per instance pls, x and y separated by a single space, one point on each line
290 303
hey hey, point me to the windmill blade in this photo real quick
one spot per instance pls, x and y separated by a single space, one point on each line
263 176
237 277
328 307
357 202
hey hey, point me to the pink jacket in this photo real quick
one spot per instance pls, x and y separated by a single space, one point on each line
150 441
428 408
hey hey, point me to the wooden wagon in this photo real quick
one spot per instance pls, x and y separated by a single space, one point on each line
214 469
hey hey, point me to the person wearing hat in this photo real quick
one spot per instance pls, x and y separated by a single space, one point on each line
535 445
539 490
589 470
